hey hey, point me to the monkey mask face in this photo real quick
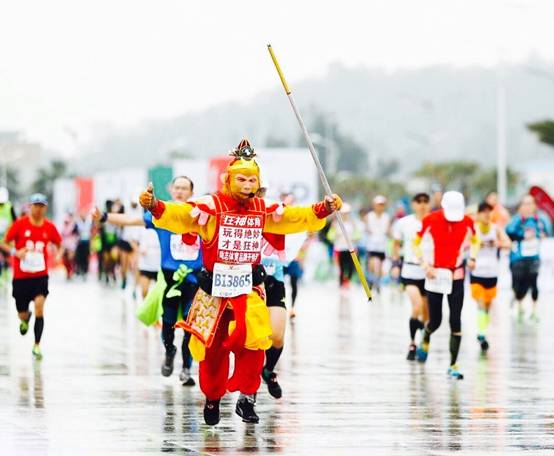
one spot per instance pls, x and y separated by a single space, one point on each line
242 179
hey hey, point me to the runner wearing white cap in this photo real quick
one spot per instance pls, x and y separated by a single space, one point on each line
449 228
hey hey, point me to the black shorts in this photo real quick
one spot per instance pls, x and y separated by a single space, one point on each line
380 255
485 282
152 275
125 246
275 292
26 290
419 283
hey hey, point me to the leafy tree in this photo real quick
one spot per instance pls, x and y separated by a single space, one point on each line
544 130
456 174
465 176
485 182
360 190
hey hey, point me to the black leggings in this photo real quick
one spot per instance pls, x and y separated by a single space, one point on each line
293 288
82 255
524 278
455 302
171 311
346 266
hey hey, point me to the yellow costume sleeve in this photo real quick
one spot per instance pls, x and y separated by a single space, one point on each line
177 218
295 219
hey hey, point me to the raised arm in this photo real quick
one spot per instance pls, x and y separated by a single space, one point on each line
116 219
297 219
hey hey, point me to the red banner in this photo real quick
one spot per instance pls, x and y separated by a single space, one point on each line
85 194
217 167
543 200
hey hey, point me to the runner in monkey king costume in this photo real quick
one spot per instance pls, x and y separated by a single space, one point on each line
229 312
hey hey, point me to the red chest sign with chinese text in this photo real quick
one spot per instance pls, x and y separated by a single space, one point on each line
240 239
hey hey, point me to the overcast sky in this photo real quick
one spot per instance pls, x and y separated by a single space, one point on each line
66 65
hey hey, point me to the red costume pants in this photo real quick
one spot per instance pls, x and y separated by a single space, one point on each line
214 370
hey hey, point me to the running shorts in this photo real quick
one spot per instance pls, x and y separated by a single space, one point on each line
152 275
125 246
275 292
374 254
483 288
26 290
419 283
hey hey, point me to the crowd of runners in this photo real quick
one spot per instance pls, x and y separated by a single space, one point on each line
216 266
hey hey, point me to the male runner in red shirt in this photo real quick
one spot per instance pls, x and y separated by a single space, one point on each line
449 228
29 237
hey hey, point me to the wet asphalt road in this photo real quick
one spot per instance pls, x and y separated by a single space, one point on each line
347 386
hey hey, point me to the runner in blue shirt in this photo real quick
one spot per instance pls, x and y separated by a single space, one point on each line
526 229
180 254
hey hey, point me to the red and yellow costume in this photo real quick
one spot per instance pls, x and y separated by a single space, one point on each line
232 227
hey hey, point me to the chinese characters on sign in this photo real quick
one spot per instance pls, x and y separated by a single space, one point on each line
240 239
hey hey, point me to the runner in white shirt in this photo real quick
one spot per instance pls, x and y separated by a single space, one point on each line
377 225
412 275
484 277
149 258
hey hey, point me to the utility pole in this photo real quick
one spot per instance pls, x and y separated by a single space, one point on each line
501 164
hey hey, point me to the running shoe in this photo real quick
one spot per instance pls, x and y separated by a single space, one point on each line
484 343
422 352
454 372
245 409
273 387
412 352
185 377
24 325
167 366
37 353
211 412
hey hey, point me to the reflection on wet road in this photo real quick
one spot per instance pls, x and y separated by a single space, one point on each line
347 387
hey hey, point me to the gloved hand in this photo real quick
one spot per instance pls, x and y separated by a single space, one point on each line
326 207
333 203
147 199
